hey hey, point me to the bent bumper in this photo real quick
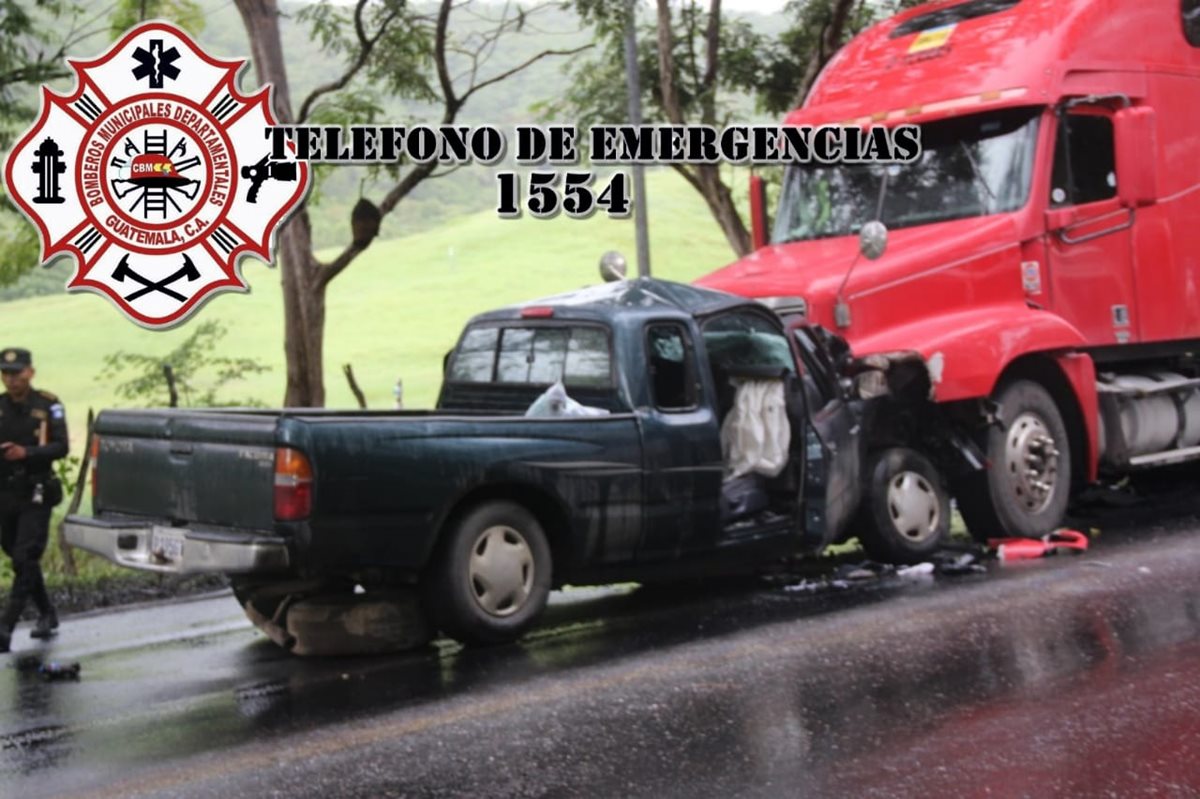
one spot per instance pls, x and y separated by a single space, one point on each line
177 550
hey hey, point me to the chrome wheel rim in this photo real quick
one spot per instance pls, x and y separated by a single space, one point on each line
500 572
1031 461
913 507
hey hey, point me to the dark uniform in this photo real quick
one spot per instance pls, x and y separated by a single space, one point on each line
28 492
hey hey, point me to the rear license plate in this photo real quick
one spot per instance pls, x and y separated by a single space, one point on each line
166 544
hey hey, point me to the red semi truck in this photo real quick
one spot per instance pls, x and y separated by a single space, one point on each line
1034 318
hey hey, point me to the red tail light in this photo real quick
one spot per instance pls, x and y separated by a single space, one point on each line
95 455
293 485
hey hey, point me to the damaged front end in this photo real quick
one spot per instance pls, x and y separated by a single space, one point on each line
860 406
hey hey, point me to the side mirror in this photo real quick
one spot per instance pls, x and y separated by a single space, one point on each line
758 212
1136 131
873 240
613 266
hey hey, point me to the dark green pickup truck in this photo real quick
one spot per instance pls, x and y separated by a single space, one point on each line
483 509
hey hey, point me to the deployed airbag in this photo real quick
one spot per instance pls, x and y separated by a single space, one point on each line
755 436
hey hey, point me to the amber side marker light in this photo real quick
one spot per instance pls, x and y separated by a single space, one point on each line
293 485
95 456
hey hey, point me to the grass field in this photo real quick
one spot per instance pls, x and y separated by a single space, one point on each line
393 313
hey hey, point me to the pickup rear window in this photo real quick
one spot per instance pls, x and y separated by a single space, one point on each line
534 355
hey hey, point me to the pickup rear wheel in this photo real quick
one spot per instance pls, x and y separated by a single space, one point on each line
491 577
906 509
1025 489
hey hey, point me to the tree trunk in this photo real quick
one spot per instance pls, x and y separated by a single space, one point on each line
828 43
303 298
720 203
303 315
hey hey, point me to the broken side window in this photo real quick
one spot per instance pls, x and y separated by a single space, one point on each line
1085 167
672 378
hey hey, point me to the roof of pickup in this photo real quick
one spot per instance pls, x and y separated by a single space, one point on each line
641 297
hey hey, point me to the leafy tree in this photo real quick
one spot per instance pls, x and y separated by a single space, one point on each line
405 51
36 36
184 13
200 374
694 61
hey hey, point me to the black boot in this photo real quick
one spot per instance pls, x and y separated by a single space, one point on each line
46 626
5 640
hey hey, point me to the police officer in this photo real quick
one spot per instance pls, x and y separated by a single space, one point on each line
33 434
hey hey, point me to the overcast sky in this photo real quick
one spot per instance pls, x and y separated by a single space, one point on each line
761 6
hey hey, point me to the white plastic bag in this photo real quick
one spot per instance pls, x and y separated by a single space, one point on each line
555 402
755 436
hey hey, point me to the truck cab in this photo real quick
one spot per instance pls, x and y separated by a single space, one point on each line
1042 263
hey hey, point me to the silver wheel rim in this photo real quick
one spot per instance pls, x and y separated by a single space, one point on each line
1031 462
500 572
913 507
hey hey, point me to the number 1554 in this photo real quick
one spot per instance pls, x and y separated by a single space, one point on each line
547 193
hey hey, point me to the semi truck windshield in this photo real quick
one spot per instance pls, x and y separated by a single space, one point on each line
969 166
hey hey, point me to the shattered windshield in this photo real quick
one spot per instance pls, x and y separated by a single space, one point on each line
969 166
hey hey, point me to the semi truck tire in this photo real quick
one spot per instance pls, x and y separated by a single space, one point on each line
491 576
1026 486
906 508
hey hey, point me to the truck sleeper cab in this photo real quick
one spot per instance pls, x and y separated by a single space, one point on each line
1033 321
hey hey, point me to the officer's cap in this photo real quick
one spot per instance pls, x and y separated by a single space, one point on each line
15 359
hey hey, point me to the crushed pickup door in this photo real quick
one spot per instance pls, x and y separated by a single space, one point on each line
832 442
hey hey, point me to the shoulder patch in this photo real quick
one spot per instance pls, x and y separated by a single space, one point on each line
56 411
48 395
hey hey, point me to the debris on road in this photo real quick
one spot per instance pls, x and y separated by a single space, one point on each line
1060 541
59 671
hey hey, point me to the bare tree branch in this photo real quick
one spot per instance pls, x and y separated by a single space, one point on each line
523 65
439 57
712 37
452 103
689 176
365 47
828 42
666 65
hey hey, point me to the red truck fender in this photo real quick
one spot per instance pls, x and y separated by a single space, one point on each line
967 352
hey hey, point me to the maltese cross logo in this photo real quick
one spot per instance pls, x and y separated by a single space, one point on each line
154 173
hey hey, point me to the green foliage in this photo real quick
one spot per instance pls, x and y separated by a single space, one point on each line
29 34
67 470
597 91
19 248
34 36
199 373
184 13
783 66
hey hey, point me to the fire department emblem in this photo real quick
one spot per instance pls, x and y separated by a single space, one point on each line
154 173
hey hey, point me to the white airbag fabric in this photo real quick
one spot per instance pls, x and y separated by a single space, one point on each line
755 436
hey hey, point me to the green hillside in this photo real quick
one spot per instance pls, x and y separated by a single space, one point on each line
393 313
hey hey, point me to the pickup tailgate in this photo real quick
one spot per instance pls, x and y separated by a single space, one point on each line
206 467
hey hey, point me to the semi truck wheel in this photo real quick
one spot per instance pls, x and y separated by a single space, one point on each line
491 577
1026 486
906 508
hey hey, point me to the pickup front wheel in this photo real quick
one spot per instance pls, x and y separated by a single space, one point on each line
491 576
905 515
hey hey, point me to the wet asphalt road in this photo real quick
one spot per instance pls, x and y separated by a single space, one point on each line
1072 676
